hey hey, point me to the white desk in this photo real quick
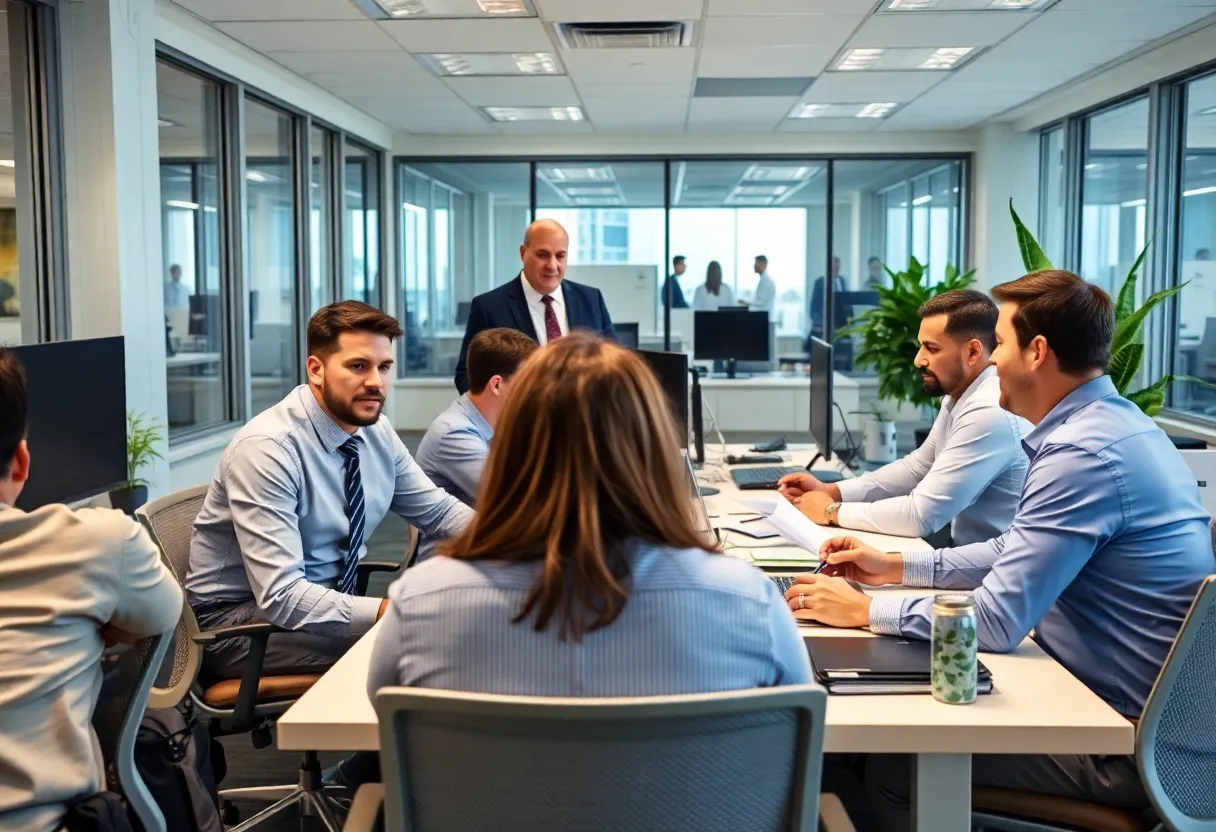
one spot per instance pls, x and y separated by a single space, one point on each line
1037 708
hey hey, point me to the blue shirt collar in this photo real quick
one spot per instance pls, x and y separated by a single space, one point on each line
1091 391
475 418
328 431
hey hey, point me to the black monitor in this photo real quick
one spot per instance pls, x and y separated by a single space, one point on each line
730 337
77 420
821 398
462 312
671 368
626 335
205 312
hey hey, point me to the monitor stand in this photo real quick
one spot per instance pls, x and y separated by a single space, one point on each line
826 476
730 371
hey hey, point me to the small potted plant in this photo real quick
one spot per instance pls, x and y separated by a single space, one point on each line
878 436
142 438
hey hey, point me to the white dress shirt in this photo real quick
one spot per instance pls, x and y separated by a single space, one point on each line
536 308
969 473
703 301
766 294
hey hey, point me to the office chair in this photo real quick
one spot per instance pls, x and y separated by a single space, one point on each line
1175 751
716 762
250 704
127 680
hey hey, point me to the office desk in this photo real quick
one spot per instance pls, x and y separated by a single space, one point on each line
1036 708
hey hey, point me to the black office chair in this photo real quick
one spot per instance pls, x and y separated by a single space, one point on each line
127 681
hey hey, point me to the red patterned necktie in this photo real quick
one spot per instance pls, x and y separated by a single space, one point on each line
552 330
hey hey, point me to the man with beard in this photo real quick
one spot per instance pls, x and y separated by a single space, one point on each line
295 497
969 472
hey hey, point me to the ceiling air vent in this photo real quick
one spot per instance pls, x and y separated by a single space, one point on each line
641 35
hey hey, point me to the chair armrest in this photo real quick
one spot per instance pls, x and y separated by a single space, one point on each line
365 570
832 816
365 809
254 628
258 633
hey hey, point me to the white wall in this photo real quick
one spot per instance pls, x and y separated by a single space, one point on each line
1006 166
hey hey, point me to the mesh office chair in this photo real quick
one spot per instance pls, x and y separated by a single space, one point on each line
234 706
1175 750
717 762
128 675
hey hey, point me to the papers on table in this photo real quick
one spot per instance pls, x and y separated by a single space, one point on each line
793 525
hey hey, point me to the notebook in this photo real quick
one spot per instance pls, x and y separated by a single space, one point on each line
882 665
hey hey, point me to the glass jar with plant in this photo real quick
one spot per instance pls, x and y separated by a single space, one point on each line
143 437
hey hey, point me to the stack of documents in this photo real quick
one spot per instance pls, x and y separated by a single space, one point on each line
792 525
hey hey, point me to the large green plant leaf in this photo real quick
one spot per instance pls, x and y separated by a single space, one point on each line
1124 365
1152 398
1127 294
1033 257
1127 331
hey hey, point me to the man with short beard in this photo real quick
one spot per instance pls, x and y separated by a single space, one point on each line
297 494
969 472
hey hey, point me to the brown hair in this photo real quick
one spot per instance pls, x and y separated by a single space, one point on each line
14 408
586 458
330 322
497 352
1076 318
969 314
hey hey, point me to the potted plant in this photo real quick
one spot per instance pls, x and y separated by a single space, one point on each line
889 334
878 436
142 438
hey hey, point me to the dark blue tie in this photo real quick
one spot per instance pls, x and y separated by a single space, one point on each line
354 512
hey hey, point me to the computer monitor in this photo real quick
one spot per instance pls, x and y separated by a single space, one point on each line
205 312
671 368
77 419
731 337
626 335
821 398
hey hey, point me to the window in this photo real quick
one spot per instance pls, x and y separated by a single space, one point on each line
361 223
321 226
1052 224
1113 193
1196 338
196 281
270 246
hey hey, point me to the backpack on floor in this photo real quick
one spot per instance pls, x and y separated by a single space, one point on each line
173 755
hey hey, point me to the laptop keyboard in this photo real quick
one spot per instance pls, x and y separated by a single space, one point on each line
783 582
759 478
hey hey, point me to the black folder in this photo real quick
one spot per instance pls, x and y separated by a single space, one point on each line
881 665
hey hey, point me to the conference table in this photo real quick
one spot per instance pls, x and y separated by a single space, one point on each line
1036 707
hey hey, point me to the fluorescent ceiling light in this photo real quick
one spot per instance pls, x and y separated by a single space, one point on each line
1092 166
448 8
597 174
1210 111
1211 189
7 163
485 63
921 200
875 110
897 59
179 203
577 191
164 122
260 176
759 190
779 173
1132 203
534 113
732 199
597 201
963 5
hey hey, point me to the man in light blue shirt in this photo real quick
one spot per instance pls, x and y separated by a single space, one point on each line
454 449
1105 554
969 472
295 497
177 294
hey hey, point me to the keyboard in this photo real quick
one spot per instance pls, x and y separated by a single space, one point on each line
750 479
783 582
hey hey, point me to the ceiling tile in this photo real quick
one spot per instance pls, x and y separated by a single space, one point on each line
311 36
829 125
821 30
420 92
639 111
640 128
747 8
743 112
604 12
1065 28
507 35
763 62
864 87
631 92
1016 84
556 91
532 128
397 62
1109 5
630 66
930 29
244 10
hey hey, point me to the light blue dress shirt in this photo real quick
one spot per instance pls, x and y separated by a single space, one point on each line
273 526
453 453
177 295
694 622
968 473
1103 559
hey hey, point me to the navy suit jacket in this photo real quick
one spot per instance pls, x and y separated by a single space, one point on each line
506 307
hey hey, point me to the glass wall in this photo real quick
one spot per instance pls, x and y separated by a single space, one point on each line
270 246
1114 188
1052 194
196 280
320 220
361 224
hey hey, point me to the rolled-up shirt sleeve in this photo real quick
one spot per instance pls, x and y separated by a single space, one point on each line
422 503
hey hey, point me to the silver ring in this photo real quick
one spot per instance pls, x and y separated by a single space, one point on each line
801 601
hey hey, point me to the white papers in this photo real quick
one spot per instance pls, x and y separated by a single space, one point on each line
794 526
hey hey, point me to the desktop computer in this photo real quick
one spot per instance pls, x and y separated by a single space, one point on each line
731 336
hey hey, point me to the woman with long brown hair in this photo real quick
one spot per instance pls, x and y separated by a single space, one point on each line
713 294
584 573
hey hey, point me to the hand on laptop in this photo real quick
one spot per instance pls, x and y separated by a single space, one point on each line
793 486
828 600
849 558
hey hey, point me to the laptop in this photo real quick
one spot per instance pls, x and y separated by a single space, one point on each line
881 665
703 522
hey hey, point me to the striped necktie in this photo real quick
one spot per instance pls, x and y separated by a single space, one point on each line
354 512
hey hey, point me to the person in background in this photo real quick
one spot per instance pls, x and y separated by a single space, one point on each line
70 581
1203 254
540 302
876 275
177 295
713 294
297 494
841 312
584 566
673 284
969 472
454 449
766 288
1102 562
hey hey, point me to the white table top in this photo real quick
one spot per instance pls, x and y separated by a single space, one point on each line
1037 707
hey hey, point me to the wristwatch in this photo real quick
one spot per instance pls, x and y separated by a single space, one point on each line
830 512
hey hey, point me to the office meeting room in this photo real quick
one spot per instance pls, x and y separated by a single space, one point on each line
715 415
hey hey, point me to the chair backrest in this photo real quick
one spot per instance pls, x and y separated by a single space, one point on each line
120 708
1176 739
714 762
170 522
